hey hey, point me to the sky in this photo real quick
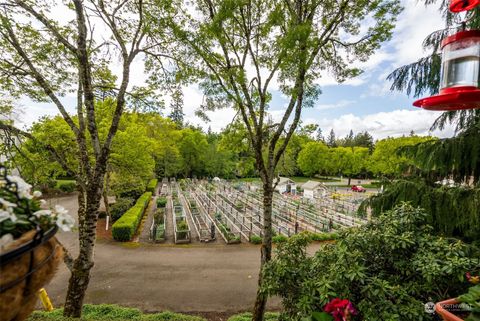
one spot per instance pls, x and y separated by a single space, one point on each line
359 104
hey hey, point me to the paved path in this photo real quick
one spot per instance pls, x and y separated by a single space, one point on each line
154 277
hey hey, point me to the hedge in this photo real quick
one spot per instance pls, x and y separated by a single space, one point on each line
152 185
126 226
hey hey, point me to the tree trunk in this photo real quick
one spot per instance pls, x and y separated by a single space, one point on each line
349 180
89 202
266 252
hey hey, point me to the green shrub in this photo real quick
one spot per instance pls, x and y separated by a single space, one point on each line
254 239
159 215
121 206
320 237
152 186
182 229
111 312
279 239
390 266
68 187
126 226
161 202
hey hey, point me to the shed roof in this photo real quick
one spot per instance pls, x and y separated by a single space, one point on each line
285 180
311 185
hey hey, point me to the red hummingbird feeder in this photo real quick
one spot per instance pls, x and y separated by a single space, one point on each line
460 73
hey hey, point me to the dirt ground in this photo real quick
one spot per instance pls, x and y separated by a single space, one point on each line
212 280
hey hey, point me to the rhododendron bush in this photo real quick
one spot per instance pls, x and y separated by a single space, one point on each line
387 270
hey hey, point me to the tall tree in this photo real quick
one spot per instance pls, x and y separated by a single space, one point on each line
176 115
331 139
319 137
292 41
364 139
44 58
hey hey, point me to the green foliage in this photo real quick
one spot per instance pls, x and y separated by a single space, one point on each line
121 206
161 202
111 312
388 269
126 226
269 316
68 187
152 185
255 239
182 229
472 298
388 161
452 211
279 239
320 237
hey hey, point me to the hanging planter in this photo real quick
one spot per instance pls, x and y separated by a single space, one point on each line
29 251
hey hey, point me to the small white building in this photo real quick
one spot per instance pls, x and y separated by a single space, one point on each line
313 189
286 185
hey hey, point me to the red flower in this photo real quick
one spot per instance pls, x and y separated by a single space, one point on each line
341 310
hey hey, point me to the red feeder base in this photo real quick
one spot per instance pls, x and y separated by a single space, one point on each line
452 99
463 5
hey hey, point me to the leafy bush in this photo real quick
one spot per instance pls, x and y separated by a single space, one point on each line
254 239
161 202
126 226
182 229
68 187
159 215
279 239
111 312
121 206
152 186
320 237
390 267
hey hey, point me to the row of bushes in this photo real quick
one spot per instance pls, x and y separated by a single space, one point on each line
276 239
126 226
152 185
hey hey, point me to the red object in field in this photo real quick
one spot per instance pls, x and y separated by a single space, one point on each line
460 75
463 5
358 188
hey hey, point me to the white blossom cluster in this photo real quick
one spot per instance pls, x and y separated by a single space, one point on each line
58 215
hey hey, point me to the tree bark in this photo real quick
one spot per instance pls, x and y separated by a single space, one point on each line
89 202
266 251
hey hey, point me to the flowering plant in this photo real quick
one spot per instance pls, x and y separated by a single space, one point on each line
20 210
335 310
341 310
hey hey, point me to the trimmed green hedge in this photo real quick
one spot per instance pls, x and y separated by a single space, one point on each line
152 185
126 226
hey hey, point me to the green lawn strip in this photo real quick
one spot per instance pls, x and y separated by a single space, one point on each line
112 312
63 181
269 316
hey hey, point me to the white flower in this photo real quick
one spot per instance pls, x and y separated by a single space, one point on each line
5 215
41 213
60 210
6 203
43 202
5 240
65 222
37 194
23 187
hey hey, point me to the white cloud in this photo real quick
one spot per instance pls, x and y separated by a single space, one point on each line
383 124
339 104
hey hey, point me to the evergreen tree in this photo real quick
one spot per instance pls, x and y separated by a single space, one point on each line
349 140
364 140
176 115
331 140
320 137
